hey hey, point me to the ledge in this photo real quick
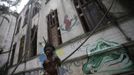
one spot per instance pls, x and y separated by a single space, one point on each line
31 58
119 20
128 44
4 52
109 24
36 69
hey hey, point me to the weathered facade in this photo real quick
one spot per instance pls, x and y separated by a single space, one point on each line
25 40
7 26
66 24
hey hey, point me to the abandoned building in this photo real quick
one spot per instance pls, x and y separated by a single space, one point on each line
91 37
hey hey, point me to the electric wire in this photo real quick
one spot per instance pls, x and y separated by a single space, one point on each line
98 24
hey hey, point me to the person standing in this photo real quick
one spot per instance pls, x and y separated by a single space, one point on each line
53 62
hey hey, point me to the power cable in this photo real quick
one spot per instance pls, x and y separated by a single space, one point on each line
91 33
80 44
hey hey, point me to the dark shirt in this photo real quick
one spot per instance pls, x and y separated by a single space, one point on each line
51 66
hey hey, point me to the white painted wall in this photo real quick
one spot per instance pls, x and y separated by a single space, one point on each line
19 35
128 28
111 33
32 64
6 34
66 7
107 34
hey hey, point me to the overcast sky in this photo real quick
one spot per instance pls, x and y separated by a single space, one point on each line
20 6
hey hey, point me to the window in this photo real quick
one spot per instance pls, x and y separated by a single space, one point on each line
36 8
25 21
21 48
33 51
13 52
26 18
35 11
54 35
90 13
18 25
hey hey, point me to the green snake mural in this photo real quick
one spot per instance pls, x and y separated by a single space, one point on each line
102 60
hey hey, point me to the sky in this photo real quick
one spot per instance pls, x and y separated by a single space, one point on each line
20 6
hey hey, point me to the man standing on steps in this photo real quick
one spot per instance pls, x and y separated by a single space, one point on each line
53 62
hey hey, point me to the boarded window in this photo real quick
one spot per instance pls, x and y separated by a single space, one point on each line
21 48
90 13
54 35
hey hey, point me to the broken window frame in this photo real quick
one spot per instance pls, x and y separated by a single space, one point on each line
84 9
53 21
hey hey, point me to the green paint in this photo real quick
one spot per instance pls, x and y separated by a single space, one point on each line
106 61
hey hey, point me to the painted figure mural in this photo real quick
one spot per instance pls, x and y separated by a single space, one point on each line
69 23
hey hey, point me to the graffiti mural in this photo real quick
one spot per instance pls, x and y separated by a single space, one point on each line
69 23
103 60
100 59
42 56
72 68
